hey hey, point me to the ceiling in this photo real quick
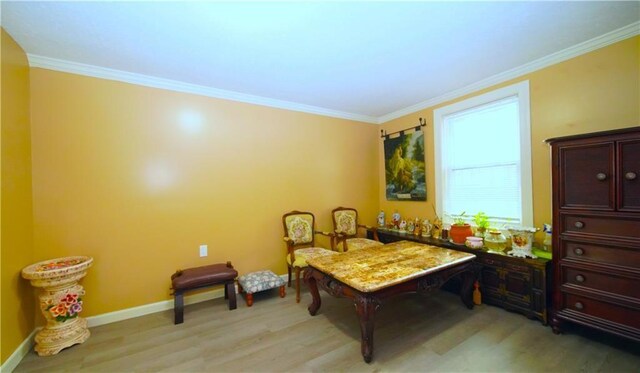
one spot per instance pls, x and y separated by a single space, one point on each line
369 61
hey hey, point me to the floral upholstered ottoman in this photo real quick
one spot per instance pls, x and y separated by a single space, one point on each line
259 281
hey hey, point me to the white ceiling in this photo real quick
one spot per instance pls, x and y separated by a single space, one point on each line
370 61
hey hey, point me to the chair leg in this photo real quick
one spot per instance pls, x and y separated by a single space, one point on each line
178 307
230 291
282 291
249 299
297 284
226 294
289 272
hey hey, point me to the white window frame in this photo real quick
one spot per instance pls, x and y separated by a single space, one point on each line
521 90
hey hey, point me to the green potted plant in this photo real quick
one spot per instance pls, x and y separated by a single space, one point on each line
482 223
460 229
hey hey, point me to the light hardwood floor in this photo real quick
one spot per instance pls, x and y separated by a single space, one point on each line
413 333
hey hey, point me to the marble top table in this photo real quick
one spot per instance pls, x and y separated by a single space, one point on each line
371 275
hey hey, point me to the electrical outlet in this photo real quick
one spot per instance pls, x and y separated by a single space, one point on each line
203 251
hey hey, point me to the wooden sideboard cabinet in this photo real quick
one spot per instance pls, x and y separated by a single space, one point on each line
596 225
515 284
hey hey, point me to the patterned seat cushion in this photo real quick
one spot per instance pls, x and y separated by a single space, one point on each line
258 281
361 243
309 252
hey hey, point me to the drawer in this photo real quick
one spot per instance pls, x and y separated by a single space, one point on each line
601 281
491 262
509 263
605 226
602 310
600 253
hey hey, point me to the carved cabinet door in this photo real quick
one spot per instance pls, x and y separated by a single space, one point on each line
629 175
587 178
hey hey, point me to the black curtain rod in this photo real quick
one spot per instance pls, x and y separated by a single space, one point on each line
385 135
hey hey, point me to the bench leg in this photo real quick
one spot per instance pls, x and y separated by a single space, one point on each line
249 299
178 307
230 292
282 291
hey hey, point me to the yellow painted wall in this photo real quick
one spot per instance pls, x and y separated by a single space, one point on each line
596 91
17 317
138 178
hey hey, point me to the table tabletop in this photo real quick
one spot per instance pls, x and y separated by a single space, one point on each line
373 269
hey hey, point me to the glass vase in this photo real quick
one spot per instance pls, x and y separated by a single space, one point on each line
494 240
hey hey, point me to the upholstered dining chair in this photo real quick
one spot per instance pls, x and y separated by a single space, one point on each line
345 227
299 235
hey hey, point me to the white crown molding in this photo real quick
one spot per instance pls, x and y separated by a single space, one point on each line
552 59
174 85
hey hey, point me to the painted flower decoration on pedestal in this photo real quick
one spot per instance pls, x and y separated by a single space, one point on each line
58 264
68 307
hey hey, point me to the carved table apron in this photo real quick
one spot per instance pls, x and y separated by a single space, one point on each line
368 302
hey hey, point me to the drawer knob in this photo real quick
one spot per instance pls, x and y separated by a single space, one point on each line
601 176
579 305
630 176
580 278
579 224
578 251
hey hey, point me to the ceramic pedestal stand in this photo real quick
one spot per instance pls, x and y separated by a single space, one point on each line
60 302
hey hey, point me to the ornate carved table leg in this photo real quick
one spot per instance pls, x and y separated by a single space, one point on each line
366 307
466 290
311 282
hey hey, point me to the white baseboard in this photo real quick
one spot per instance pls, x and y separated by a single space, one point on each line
129 313
110 317
20 352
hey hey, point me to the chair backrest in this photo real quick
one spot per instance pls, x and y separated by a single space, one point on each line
300 227
345 221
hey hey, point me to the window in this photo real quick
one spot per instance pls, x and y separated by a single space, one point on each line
483 156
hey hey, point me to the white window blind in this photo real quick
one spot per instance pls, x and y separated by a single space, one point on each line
481 155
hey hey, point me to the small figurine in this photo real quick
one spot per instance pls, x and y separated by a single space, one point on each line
411 226
426 228
546 244
381 219
396 219
437 227
403 226
417 229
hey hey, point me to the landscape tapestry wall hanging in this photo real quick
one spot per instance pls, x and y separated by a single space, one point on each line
404 167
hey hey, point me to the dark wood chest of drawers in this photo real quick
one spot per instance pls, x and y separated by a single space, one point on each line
515 284
596 225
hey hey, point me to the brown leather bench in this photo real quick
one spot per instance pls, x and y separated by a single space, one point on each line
201 277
